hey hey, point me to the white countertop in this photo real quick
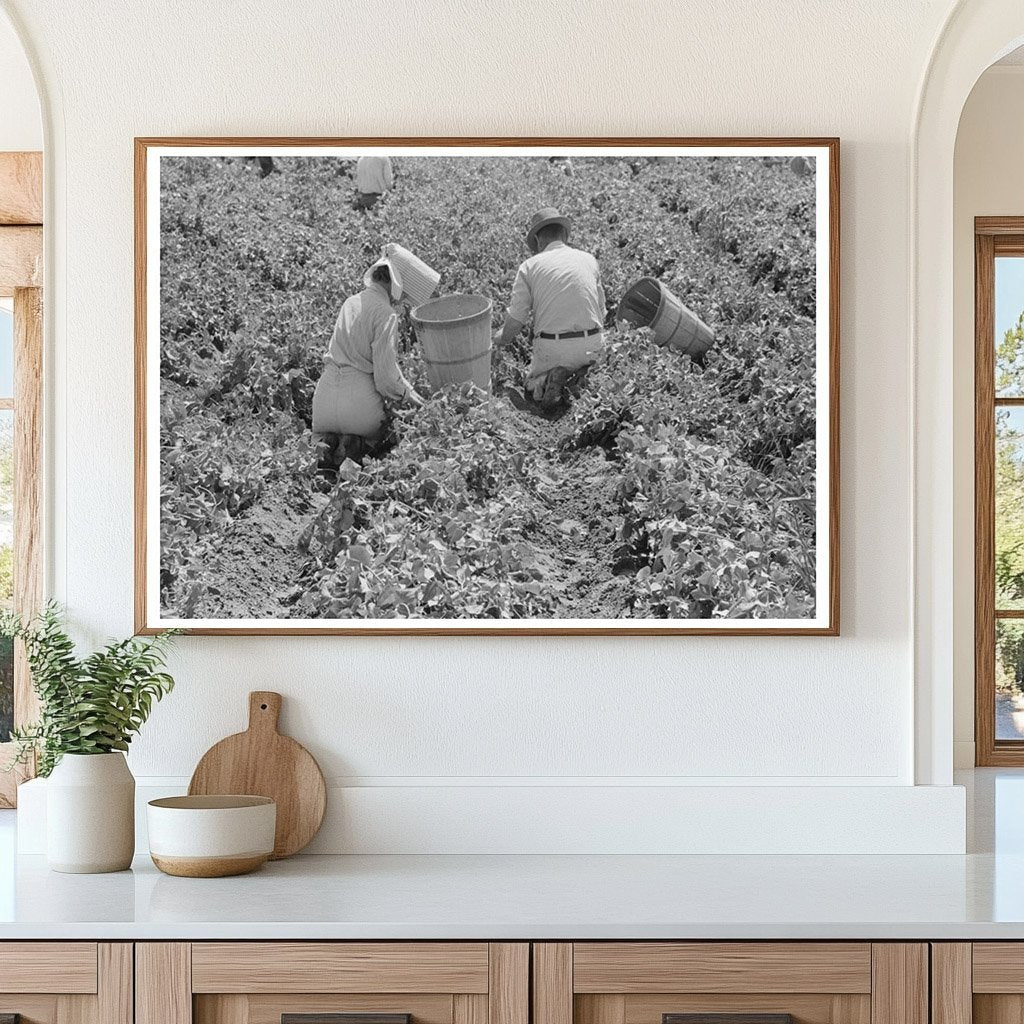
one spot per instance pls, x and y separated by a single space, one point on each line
496 897
977 896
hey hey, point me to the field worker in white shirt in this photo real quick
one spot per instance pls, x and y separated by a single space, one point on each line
374 177
558 292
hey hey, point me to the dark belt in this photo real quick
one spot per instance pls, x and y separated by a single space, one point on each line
568 334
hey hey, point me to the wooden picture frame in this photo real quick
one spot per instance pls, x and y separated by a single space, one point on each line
821 155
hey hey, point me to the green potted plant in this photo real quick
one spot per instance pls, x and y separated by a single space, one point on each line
90 708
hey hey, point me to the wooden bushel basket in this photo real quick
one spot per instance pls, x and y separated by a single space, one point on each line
454 333
650 304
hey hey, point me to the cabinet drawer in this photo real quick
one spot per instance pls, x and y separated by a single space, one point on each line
332 983
340 967
751 967
730 983
66 982
64 967
773 982
998 967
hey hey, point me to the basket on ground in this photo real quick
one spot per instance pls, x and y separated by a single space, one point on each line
454 333
650 304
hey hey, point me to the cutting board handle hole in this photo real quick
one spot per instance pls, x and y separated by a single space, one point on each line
263 707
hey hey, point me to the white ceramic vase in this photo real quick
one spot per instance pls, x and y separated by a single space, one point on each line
90 814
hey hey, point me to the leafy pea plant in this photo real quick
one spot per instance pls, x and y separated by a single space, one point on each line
671 490
88 705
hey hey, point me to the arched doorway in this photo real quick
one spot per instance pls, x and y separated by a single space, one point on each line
987 419
975 35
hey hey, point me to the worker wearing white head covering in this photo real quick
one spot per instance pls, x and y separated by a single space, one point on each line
411 279
361 362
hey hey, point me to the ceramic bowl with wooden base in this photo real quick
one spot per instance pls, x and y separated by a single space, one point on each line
211 836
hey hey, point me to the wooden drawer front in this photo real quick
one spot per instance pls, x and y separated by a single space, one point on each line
998 967
721 967
258 982
67 982
309 967
54 967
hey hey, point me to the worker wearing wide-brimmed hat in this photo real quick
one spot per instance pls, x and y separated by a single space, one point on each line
361 362
558 293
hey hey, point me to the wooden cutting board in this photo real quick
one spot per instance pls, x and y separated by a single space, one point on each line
262 762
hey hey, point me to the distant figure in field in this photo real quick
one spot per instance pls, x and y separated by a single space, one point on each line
563 164
361 362
264 163
558 292
374 177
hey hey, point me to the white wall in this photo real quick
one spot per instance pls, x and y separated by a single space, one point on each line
20 124
464 711
988 181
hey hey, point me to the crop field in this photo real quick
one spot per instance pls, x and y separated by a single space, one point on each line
665 489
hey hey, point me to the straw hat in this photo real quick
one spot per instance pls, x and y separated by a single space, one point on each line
541 219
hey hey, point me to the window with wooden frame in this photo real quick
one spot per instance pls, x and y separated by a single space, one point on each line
999 490
21 366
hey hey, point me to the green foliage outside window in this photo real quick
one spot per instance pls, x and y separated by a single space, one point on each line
1009 509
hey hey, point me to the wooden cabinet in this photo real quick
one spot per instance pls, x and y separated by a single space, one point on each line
753 982
978 983
499 983
307 982
66 982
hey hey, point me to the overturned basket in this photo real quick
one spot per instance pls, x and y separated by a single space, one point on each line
650 304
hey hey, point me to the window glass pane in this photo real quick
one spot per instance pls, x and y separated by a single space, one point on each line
1009 317
1009 508
6 353
1009 679
6 567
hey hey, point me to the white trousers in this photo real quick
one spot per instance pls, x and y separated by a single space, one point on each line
346 402
571 353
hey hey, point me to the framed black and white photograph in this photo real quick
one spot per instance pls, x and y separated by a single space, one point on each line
487 386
